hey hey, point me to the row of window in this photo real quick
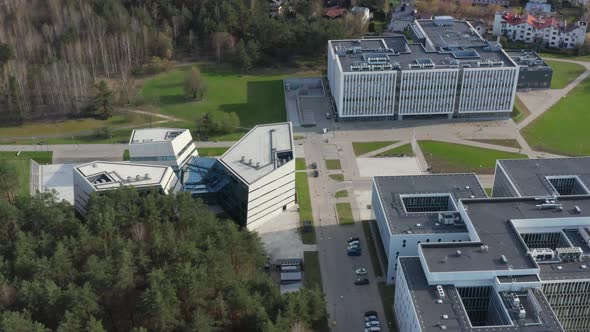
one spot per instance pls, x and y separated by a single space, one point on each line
427 240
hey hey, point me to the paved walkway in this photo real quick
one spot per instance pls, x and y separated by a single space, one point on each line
383 149
540 101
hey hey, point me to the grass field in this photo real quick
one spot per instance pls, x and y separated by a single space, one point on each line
372 249
305 211
256 98
23 166
387 293
511 143
564 73
336 177
311 270
520 111
583 58
361 148
563 129
446 157
300 164
344 213
74 127
405 149
211 152
341 193
126 155
488 191
333 164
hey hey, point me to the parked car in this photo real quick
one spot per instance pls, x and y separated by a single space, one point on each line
354 243
328 116
371 318
373 329
353 251
371 323
316 173
361 281
361 271
371 313
351 239
314 165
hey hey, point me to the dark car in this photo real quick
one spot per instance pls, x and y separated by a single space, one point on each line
371 313
314 165
316 173
361 281
353 251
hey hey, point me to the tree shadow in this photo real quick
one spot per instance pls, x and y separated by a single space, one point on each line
265 103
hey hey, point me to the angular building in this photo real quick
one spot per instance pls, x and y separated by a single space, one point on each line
253 180
449 71
534 73
102 176
420 209
162 146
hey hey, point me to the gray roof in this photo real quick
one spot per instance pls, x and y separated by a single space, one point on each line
491 221
390 188
527 58
528 175
446 46
430 313
261 145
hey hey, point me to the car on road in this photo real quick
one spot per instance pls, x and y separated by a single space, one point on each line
356 247
371 313
351 239
314 165
353 251
374 322
354 243
316 173
361 281
373 329
361 271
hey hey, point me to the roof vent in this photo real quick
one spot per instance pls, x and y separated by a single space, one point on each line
146 176
137 177
439 301
458 252
466 187
250 162
418 225
484 248
440 291
443 327
559 267
445 316
583 266
94 165
243 159
128 179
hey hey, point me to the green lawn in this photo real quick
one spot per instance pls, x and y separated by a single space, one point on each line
511 143
341 193
446 157
488 191
300 164
405 149
564 128
361 148
311 270
74 127
584 58
520 111
336 177
23 166
344 213
211 152
305 211
372 248
564 73
256 98
333 164
387 293
126 155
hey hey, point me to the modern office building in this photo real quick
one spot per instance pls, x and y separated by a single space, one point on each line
420 209
162 146
533 72
449 71
542 177
253 180
102 176
525 267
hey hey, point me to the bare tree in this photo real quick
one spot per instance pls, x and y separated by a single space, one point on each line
222 42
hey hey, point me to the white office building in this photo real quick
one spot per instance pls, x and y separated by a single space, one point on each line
102 176
449 71
420 209
162 146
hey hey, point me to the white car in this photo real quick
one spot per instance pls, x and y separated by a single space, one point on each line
361 271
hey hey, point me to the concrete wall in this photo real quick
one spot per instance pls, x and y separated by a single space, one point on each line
172 153
368 94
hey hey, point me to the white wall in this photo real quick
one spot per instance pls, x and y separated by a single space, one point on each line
405 313
488 90
368 94
428 91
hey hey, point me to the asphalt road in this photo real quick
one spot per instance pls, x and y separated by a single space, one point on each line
347 303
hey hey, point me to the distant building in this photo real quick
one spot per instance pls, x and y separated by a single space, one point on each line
101 176
533 72
549 31
363 12
420 209
403 15
536 8
449 71
162 146
503 3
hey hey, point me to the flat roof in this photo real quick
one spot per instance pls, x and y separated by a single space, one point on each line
446 47
491 220
430 313
260 145
390 188
527 58
104 175
154 135
528 175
